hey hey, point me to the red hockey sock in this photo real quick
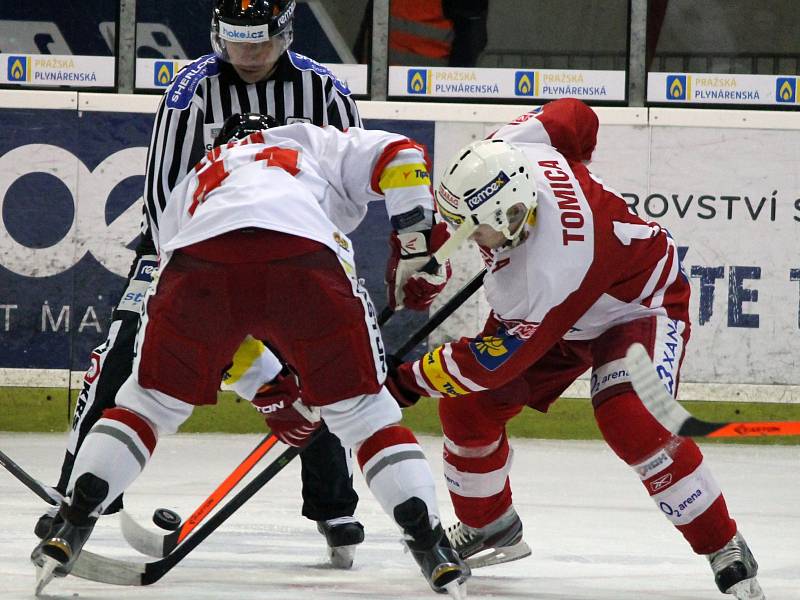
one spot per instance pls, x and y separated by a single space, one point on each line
479 485
671 468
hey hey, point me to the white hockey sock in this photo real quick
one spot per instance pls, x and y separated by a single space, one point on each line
116 450
395 469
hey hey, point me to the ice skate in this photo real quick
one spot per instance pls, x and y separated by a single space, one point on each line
498 542
342 535
47 523
439 563
56 554
735 570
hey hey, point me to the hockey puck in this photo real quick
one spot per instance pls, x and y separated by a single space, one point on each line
166 519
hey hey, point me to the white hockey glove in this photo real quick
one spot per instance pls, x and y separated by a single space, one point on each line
407 286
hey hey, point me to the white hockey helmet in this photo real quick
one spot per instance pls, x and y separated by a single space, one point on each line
485 184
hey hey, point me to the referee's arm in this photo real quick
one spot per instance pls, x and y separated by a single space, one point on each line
342 109
176 145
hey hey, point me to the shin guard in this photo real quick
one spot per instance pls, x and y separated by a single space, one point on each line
116 450
477 478
671 468
395 469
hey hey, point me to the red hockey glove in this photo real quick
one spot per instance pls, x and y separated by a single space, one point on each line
402 394
406 284
287 417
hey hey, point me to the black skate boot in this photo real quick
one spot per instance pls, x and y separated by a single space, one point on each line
735 570
343 534
48 523
56 554
439 563
498 542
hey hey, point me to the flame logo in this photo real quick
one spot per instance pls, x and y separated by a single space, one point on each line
676 89
17 70
418 82
524 85
786 92
164 75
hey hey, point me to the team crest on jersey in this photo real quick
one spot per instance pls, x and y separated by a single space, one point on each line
485 193
309 64
492 351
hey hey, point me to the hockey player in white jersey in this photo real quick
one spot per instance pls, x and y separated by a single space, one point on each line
573 279
253 243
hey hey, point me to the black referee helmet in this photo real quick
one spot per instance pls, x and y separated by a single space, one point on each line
252 21
239 126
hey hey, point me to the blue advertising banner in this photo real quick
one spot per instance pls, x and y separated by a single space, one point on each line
70 189
70 209
53 27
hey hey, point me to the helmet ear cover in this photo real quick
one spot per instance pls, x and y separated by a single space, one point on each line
488 183
239 126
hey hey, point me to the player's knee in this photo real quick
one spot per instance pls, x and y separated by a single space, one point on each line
356 419
165 413
385 441
467 422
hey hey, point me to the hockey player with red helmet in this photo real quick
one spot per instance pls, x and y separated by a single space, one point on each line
573 279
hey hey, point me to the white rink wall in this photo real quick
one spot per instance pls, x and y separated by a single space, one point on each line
724 182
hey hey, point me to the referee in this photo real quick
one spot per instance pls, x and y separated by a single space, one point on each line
250 70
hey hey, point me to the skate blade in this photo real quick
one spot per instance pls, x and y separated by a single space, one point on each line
747 589
45 573
456 589
496 556
342 557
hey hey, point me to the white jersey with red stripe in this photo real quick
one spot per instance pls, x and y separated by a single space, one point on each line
586 264
299 179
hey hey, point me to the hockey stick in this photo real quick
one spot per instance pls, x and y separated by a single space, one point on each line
121 572
118 572
45 492
447 309
159 545
677 419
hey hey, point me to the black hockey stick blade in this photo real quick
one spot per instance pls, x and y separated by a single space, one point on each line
681 422
45 492
119 572
158 544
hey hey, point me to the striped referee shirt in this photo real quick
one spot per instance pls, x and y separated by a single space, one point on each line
208 91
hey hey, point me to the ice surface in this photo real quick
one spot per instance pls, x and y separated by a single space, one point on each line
594 532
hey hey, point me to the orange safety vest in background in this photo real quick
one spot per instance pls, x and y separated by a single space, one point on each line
419 33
